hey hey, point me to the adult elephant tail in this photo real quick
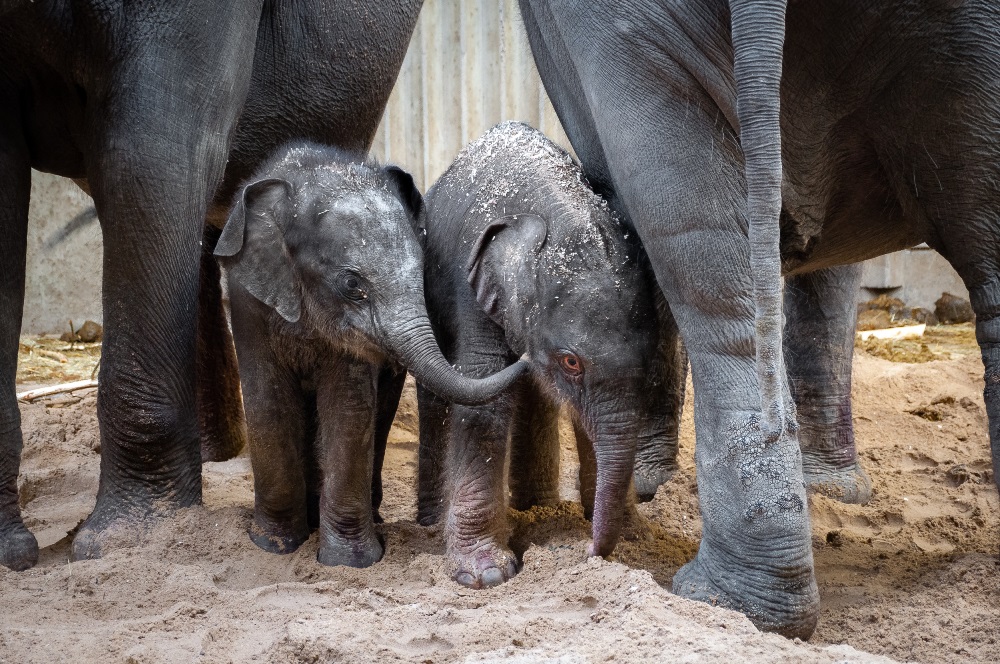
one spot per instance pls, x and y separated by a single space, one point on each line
758 32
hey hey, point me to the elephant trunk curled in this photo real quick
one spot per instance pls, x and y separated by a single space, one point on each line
408 336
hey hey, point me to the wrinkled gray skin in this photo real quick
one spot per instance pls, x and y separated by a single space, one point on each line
868 127
326 294
522 258
159 110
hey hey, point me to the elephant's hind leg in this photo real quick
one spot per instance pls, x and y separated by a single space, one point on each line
819 346
534 450
220 405
18 548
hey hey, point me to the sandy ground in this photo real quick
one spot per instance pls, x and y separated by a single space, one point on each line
913 576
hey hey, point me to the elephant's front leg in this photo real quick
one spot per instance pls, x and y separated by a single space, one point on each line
534 449
821 313
159 131
277 429
220 407
476 530
18 548
347 402
656 453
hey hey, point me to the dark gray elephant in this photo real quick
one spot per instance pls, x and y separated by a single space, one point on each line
326 293
711 123
523 258
160 109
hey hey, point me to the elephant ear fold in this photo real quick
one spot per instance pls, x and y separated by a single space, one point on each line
499 258
252 247
408 194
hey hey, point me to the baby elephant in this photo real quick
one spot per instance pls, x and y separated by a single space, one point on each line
523 257
326 293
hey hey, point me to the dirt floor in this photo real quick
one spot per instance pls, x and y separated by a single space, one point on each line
913 576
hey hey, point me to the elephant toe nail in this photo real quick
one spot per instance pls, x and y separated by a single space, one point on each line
466 579
492 577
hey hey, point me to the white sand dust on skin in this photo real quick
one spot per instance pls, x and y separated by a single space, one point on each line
913 575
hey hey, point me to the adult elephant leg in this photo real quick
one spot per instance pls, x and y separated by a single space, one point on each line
347 400
821 314
435 432
279 416
18 548
755 554
656 454
159 147
534 450
390 389
220 405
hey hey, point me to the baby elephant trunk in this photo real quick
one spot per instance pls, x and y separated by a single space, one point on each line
410 339
614 450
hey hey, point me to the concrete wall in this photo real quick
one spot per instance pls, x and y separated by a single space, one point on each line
63 280
468 67
916 276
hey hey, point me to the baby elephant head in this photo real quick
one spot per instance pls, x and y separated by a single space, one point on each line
569 287
328 244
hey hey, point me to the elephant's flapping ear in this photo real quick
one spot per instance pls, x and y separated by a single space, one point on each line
252 247
407 192
501 263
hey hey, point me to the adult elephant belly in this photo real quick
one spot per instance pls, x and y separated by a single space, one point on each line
323 75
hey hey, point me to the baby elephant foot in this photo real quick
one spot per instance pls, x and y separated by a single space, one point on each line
276 538
848 485
355 551
486 566
18 548
649 478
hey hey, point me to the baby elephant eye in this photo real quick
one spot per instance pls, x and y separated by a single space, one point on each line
570 364
352 287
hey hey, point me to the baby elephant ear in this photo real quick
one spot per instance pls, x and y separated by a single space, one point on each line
252 247
501 261
408 194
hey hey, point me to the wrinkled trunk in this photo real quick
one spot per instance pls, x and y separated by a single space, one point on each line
409 337
614 450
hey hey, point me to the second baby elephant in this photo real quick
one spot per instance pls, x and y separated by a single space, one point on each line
326 293
523 258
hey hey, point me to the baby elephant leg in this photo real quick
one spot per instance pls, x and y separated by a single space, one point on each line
276 430
435 420
476 530
534 450
347 403
821 314
656 453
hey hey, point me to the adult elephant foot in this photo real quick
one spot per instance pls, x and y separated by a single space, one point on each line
484 565
776 600
848 485
18 547
361 550
122 514
756 554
